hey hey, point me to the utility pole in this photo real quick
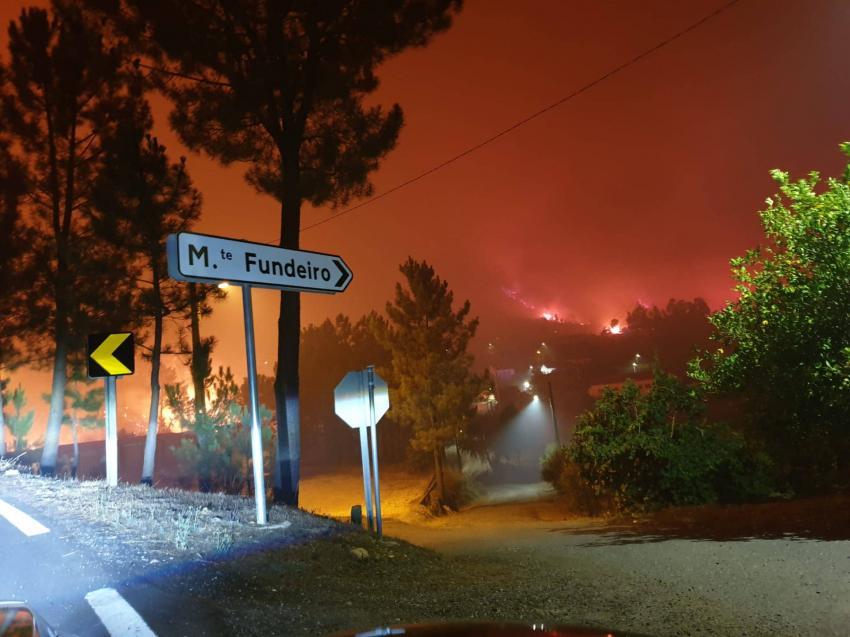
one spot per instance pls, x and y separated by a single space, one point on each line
554 417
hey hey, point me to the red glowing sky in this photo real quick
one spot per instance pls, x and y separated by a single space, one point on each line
640 189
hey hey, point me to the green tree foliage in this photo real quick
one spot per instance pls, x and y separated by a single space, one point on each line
64 88
784 346
670 334
220 453
283 88
14 270
330 350
636 451
140 198
432 386
678 315
18 421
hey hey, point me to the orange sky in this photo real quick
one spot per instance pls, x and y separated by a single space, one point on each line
640 189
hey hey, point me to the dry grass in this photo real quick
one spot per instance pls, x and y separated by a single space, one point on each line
164 521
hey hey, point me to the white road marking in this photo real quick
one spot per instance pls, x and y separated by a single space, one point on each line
117 616
25 524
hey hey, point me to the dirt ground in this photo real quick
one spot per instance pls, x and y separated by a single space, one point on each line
334 494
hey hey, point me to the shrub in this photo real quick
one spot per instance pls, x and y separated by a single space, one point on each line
559 470
639 452
220 453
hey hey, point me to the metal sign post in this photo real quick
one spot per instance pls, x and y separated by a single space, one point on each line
367 475
361 399
111 438
256 425
110 356
373 428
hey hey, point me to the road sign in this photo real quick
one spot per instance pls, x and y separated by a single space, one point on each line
204 258
351 399
110 355
361 399
210 259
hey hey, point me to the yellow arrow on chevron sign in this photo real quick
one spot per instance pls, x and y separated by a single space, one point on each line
103 355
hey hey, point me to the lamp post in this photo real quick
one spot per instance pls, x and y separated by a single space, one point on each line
547 371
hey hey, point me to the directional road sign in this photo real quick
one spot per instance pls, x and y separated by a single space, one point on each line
110 355
209 259
351 399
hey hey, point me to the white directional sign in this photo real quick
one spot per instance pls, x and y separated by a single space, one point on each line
351 399
209 259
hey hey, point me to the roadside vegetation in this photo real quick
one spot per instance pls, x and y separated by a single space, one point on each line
781 353
160 524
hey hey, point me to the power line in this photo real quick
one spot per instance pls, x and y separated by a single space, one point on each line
528 118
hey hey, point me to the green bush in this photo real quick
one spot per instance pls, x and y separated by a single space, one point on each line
219 455
639 452
564 475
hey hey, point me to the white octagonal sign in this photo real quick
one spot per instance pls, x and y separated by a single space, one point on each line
351 399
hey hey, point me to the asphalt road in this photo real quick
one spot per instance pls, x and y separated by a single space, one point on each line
655 584
777 587
78 593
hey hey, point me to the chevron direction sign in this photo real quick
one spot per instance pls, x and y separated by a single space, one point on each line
209 259
110 355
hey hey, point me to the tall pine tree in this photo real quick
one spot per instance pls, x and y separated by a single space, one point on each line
64 90
142 197
432 386
13 284
281 86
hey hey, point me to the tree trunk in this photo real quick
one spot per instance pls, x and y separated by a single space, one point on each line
198 369
287 467
438 474
57 396
198 366
61 292
75 459
153 414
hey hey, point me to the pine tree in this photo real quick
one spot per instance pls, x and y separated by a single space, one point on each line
64 89
142 195
14 271
432 386
19 422
281 86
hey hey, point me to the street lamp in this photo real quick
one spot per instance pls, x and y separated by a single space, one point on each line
546 371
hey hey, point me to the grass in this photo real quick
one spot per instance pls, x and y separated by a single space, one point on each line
176 522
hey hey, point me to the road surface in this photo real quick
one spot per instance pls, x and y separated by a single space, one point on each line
784 586
511 561
76 591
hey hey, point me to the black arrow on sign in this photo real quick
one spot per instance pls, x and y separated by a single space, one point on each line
345 274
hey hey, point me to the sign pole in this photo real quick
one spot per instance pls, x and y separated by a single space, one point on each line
256 433
367 473
373 429
361 399
554 417
111 439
